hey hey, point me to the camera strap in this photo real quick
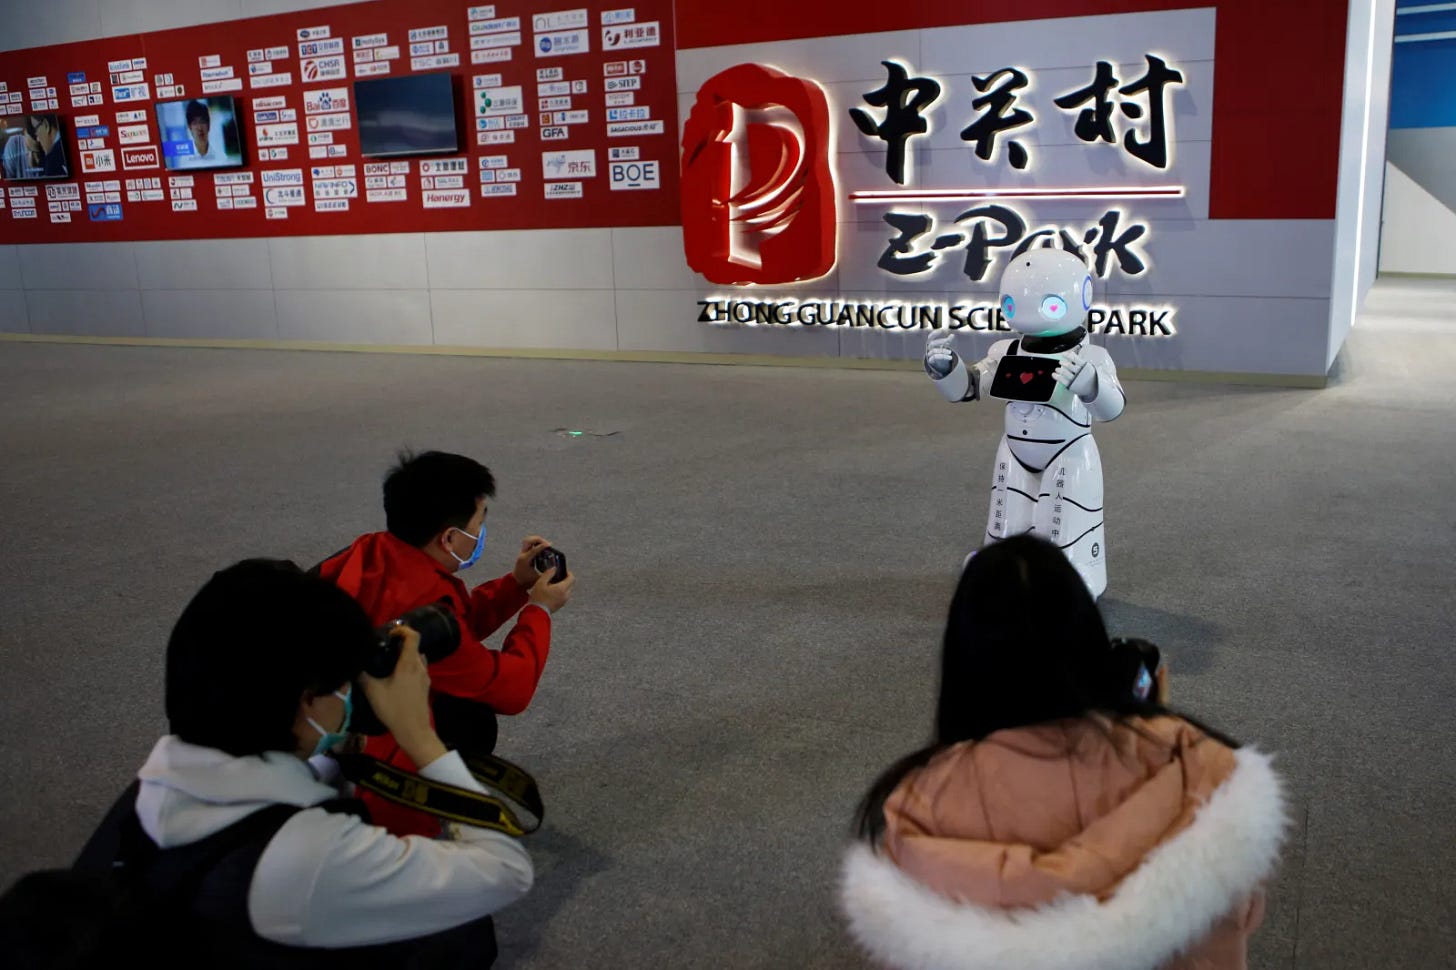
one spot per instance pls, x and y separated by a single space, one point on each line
513 805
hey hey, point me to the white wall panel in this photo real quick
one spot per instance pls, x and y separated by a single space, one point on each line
9 264
211 314
261 8
977 48
651 258
140 16
1236 335
878 344
568 259
194 264
566 319
355 316
79 266
1369 39
1425 154
48 23
386 262
117 313
14 318
1418 229
828 60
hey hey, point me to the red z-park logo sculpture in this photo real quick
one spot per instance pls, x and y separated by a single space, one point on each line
757 189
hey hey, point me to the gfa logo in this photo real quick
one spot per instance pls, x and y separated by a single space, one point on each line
757 191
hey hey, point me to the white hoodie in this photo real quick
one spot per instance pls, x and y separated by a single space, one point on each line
328 879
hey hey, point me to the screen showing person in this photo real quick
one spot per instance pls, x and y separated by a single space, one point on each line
31 147
200 133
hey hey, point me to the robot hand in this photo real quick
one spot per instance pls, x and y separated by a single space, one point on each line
1076 375
940 354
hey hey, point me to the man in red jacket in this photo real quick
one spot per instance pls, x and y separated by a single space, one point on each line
434 508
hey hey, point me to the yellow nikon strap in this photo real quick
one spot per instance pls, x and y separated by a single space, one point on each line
513 807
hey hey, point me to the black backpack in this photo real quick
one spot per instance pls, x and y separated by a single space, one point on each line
126 897
186 907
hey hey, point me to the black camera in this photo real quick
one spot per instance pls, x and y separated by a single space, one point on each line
439 636
548 557
1136 661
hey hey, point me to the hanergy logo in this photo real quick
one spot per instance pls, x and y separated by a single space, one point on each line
757 190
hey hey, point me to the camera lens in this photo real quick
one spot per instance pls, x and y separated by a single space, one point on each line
439 631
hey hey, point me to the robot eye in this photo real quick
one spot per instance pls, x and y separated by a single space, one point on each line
1008 307
1053 308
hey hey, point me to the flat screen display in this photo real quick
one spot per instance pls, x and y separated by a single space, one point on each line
412 115
1023 378
200 133
33 147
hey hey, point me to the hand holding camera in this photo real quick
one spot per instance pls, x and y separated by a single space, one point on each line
541 568
553 588
526 571
401 700
432 632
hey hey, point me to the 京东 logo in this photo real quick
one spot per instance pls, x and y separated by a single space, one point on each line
757 191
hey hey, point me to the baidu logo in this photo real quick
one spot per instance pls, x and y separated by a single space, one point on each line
757 191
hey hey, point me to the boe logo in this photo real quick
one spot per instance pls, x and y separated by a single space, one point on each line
635 175
757 191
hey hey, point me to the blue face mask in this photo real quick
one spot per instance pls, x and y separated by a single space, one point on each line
470 560
329 740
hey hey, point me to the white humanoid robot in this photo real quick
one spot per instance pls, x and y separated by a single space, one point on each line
1048 477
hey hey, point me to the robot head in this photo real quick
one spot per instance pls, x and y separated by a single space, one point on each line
1046 292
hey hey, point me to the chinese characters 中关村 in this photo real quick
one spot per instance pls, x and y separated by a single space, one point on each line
907 98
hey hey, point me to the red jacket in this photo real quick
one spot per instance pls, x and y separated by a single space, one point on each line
389 577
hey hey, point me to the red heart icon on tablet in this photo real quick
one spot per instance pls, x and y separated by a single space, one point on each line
1026 378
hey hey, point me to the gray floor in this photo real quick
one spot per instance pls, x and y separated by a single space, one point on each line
765 559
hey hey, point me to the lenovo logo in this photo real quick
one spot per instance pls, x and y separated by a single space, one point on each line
147 157
757 191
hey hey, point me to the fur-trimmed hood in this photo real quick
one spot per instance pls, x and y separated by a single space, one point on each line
1108 915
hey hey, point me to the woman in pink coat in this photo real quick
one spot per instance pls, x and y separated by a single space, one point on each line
1064 819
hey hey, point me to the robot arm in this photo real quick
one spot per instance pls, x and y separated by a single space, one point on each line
1090 374
955 380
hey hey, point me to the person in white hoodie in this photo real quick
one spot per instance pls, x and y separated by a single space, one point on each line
258 686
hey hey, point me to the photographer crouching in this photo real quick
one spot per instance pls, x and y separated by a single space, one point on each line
235 849
435 507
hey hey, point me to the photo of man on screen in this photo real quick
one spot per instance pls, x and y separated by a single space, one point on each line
34 148
207 147
201 133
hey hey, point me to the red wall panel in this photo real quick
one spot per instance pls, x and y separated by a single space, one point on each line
1278 77
177 52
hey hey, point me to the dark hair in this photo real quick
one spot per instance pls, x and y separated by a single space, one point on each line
1024 644
198 109
255 638
426 494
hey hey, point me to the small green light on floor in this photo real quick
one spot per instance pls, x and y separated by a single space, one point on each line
576 434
